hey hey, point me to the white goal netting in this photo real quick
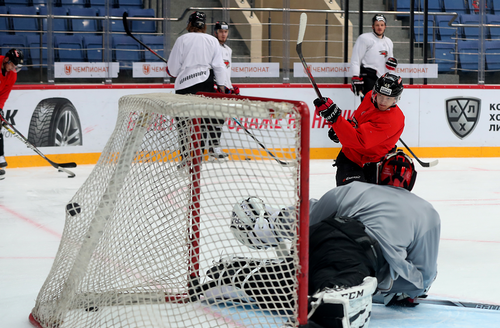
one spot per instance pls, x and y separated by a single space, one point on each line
147 239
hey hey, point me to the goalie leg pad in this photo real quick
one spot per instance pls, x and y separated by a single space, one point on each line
344 307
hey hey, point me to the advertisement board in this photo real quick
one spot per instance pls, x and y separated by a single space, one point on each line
446 117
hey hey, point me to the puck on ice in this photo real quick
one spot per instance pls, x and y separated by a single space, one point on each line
73 209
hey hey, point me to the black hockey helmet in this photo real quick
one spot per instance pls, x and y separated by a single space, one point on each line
221 25
396 169
389 85
16 57
379 18
197 19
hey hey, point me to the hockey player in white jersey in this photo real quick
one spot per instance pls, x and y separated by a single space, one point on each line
196 63
372 57
221 32
363 239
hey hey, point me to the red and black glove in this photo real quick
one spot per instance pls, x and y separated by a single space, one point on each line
391 63
357 85
333 136
235 90
327 109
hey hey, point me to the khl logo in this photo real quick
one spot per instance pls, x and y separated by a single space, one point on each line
463 114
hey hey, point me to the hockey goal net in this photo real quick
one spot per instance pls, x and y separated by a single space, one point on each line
144 233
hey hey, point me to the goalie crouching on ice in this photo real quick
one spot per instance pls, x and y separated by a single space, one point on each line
365 239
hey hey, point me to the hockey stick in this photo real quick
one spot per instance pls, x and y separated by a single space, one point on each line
260 144
470 305
18 135
300 38
127 30
298 48
423 164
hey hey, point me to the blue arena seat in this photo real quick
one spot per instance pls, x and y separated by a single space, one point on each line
33 42
83 25
446 33
72 3
93 48
69 48
155 42
435 5
144 26
469 32
17 3
126 51
39 3
98 4
445 57
130 4
419 28
457 6
116 25
22 25
4 23
495 5
58 24
468 56
494 32
492 55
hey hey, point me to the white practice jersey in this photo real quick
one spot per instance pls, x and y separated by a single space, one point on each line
372 52
406 226
192 57
227 54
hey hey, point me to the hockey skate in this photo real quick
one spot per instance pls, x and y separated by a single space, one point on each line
2 174
344 307
217 153
3 162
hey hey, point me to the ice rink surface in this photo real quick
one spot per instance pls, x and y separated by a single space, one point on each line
465 192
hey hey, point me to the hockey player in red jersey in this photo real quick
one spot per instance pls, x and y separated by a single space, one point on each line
11 63
372 132
372 56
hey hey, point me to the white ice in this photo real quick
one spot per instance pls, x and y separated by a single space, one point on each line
465 191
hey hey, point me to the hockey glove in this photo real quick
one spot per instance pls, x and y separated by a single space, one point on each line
357 85
391 63
327 109
333 136
399 299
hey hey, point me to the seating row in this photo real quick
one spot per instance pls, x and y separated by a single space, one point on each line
466 55
458 6
439 30
129 4
84 48
23 25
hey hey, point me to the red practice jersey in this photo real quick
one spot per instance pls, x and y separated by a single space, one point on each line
6 84
372 134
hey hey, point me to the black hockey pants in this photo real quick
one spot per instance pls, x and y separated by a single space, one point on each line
211 127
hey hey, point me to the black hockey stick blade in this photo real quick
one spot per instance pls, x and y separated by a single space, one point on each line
423 164
127 30
298 48
60 166
282 163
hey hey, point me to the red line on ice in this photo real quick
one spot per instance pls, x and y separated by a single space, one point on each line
31 222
